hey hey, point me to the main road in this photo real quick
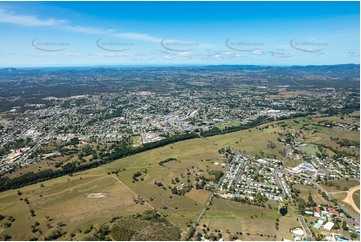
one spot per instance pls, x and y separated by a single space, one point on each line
208 202
305 228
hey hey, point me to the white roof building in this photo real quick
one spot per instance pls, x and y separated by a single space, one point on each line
328 226
298 232
318 224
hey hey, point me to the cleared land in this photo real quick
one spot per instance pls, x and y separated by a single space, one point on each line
305 190
229 125
350 199
66 201
236 217
285 224
93 197
335 186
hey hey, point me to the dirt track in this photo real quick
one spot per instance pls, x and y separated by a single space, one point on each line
349 199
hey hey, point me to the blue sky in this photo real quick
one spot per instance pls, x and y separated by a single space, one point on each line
174 33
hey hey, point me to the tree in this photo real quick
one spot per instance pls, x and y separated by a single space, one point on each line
7 237
74 141
311 202
301 205
344 226
353 236
336 225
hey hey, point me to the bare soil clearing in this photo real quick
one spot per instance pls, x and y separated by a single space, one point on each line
349 199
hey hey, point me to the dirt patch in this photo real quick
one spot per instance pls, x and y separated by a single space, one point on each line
96 195
349 199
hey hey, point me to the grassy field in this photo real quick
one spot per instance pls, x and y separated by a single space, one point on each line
65 199
236 217
352 119
285 224
340 185
315 195
253 141
310 149
229 125
339 197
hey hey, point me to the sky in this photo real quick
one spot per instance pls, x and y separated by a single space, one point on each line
50 34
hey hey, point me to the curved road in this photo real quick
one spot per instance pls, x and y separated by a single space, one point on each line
349 198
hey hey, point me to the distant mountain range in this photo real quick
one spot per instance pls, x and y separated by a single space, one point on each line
340 67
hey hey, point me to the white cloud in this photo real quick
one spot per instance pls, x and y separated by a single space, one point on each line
28 20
